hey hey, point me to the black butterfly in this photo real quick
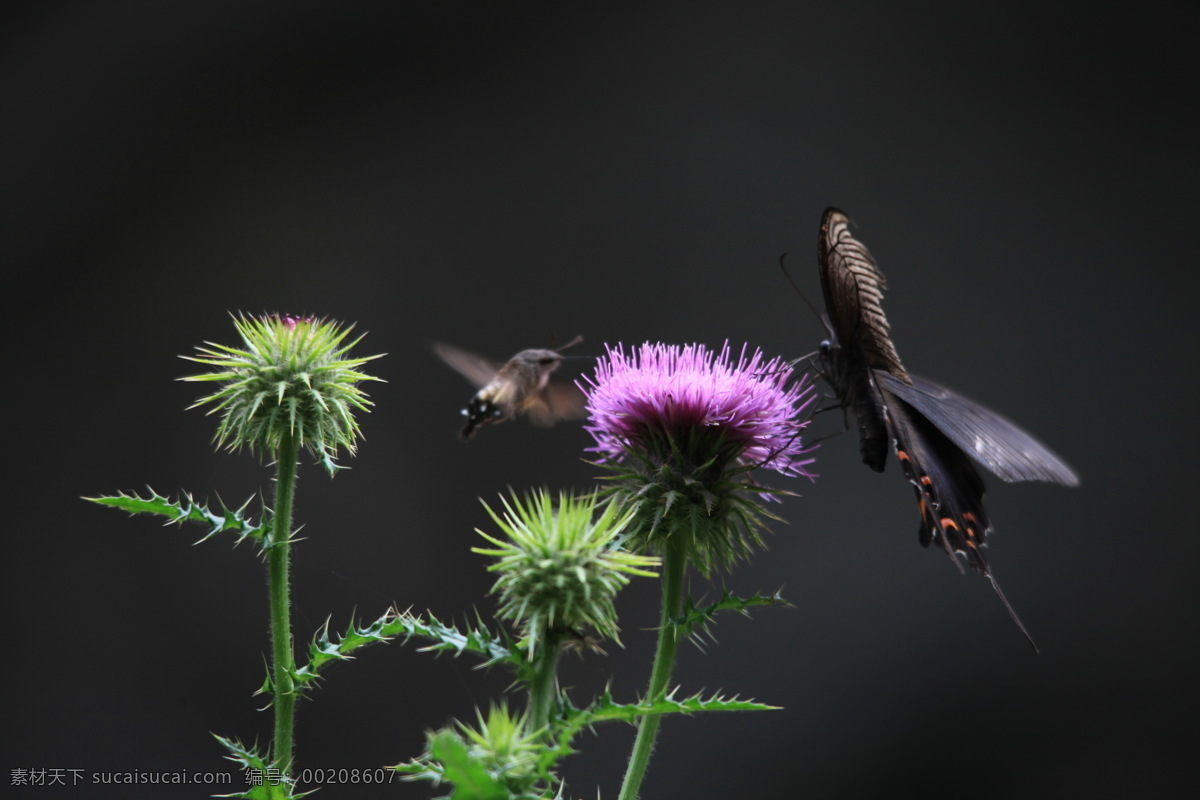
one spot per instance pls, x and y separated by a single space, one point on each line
932 429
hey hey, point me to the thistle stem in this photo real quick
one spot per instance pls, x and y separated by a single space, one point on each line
543 682
278 563
674 562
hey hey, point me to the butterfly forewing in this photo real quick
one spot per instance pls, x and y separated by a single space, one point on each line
853 289
853 286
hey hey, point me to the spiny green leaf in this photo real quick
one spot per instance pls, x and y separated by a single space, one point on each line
326 649
272 786
478 640
694 617
188 510
605 709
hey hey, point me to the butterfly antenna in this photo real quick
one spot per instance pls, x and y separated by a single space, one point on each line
826 437
809 446
786 365
798 290
1012 613
811 366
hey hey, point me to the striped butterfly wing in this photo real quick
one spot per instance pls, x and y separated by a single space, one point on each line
860 336
853 287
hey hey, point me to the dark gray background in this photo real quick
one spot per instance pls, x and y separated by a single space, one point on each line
499 175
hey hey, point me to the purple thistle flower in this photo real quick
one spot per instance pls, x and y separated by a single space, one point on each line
682 426
675 391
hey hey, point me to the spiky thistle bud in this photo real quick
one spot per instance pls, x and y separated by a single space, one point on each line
497 758
292 377
502 743
560 565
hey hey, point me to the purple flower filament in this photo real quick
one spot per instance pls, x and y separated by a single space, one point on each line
740 413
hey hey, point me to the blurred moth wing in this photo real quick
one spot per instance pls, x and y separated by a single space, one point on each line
525 384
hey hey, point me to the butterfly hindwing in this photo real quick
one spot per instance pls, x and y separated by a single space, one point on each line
949 489
1005 449
949 493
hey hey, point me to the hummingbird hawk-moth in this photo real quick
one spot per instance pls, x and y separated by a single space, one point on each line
525 384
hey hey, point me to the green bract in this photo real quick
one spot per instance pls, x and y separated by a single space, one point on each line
497 760
291 378
562 564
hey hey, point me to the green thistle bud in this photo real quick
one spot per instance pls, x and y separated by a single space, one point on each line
496 759
561 567
502 744
291 378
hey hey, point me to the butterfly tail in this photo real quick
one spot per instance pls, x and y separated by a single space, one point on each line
949 494
1011 611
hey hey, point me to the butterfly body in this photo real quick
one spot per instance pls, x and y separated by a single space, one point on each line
854 384
934 431
524 385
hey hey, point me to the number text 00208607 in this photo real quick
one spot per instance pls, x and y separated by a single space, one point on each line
332 776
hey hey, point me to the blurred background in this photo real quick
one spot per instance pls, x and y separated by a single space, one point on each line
503 176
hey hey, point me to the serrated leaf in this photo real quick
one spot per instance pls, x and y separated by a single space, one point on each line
605 709
267 786
326 649
478 640
700 617
187 510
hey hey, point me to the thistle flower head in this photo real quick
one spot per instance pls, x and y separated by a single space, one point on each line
291 378
560 565
682 426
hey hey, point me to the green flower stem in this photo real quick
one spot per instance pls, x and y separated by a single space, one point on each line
543 683
278 558
674 562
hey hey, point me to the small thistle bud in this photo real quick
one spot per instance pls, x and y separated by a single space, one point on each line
497 758
291 378
682 427
561 566
502 744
